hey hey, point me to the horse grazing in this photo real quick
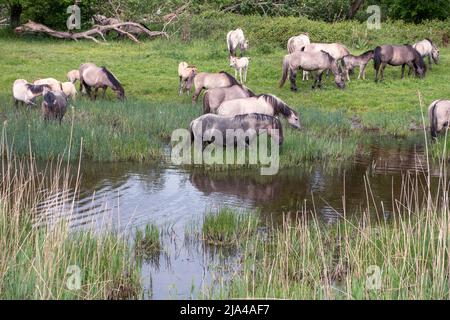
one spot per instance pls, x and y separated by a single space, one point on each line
73 76
350 62
310 61
26 93
240 65
214 97
206 80
95 77
264 104
69 90
186 74
54 84
439 115
401 55
297 43
235 39
252 125
427 48
54 105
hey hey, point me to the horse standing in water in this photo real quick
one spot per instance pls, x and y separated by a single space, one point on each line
95 77
206 80
264 104
398 56
310 61
253 124
235 39
439 115
214 97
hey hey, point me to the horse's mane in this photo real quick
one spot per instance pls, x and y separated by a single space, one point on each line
429 40
112 78
367 53
256 116
232 79
328 55
278 105
37 88
250 92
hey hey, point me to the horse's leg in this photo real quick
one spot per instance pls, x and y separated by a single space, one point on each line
403 70
95 94
180 86
104 92
320 79
293 79
383 66
196 94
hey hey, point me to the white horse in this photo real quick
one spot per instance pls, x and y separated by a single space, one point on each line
69 89
186 74
439 115
73 76
240 65
427 48
235 39
297 43
26 93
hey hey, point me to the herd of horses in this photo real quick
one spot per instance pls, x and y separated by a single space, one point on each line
228 103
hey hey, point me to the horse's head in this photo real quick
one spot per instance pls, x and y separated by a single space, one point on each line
233 61
245 45
435 54
294 120
121 93
339 78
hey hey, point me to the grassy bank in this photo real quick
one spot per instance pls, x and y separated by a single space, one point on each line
139 129
50 261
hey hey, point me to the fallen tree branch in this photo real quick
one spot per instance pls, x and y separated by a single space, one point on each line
37 28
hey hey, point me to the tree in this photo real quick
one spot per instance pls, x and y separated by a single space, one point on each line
15 9
417 10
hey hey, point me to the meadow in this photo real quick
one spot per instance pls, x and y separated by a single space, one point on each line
139 130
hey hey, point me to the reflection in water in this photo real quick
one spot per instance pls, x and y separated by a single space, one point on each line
128 196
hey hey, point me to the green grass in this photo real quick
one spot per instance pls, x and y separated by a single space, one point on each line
226 227
140 129
147 243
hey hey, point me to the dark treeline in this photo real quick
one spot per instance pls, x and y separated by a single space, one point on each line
53 12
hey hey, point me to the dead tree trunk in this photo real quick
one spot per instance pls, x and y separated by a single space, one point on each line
15 14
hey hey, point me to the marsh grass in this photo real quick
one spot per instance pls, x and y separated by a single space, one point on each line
44 259
147 243
226 227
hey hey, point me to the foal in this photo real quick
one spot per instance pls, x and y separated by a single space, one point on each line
350 62
240 65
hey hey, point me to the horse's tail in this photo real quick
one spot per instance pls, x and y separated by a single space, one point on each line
289 46
433 119
229 43
206 105
285 70
377 58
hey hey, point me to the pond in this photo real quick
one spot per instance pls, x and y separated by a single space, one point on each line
127 196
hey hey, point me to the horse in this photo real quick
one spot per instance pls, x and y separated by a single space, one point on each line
297 43
69 89
336 50
241 65
73 76
398 55
95 77
54 105
310 61
235 39
206 80
427 48
186 74
252 124
264 104
54 84
26 93
350 62
214 97
439 115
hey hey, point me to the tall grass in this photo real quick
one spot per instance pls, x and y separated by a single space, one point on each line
45 259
